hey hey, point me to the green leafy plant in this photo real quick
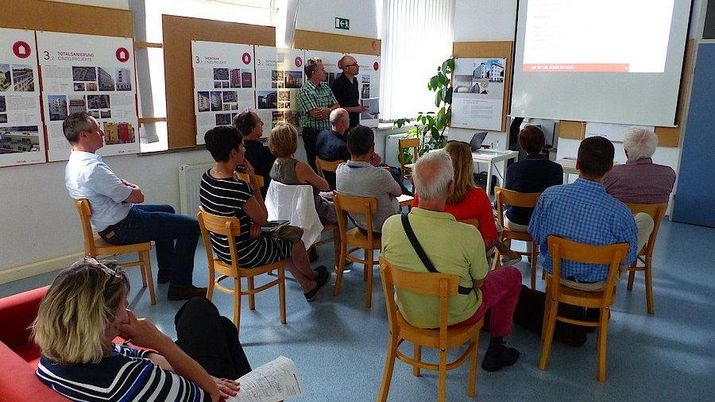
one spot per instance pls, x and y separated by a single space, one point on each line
430 126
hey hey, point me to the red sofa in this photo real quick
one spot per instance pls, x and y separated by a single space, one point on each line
18 354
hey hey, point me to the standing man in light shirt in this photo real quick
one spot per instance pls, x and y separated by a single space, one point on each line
315 102
117 215
345 89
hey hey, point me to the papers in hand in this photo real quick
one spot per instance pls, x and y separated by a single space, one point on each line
274 381
270 226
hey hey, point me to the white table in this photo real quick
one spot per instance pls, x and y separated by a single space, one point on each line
569 166
490 157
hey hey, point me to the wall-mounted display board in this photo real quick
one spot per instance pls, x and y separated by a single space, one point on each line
224 81
369 86
93 74
21 138
478 93
279 77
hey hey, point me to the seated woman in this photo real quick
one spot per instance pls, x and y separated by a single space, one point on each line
283 142
534 174
222 194
471 202
86 308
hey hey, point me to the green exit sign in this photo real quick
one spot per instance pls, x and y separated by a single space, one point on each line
342 23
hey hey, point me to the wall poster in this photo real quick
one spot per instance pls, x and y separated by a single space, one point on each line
369 86
21 138
478 97
279 77
223 83
94 74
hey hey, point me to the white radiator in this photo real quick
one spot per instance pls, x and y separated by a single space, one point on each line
392 149
189 183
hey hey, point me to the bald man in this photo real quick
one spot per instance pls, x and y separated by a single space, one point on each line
345 89
331 144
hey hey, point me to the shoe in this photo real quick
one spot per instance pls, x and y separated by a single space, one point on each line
185 292
513 258
163 276
321 280
312 254
498 357
321 270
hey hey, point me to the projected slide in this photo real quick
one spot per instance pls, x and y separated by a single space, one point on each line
604 36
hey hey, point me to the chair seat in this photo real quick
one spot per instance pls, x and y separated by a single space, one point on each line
226 269
513 235
456 336
358 239
107 248
578 297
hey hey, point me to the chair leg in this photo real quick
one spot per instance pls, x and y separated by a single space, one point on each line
417 351
368 272
495 261
142 267
389 366
364 258
472 382
145 259
237 303
282 293
602 342
631 276
547 336
336 245
442 385
212 282
251 296
339 268
650 302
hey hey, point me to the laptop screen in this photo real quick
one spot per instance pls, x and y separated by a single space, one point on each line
477 139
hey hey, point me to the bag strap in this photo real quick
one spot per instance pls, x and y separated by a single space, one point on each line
421 252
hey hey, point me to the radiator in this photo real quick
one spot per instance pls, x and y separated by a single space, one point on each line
189 183
392 149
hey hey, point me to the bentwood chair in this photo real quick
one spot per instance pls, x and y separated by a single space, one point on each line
326 166
407 143
256 181
352 239
230 227
645 256
513 198
443 287
95 246
556 292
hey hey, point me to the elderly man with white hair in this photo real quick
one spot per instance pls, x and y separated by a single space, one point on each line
640 180
453 248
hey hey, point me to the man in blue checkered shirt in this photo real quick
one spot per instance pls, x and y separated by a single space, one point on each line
315 102
585 213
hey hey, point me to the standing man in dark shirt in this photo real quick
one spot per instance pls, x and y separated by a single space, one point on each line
332 144
345 88
258 155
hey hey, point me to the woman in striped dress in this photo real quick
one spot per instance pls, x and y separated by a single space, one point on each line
222 194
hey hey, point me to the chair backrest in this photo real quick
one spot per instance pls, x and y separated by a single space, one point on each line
406 143
354 205
438 285
84 209
256 181
657 212
323 165
513 198
612 254
228 226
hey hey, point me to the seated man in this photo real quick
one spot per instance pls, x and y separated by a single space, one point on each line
331 144
118 218
258 155
585 213
359 177
453 248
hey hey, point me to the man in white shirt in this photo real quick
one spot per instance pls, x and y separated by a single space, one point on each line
117 215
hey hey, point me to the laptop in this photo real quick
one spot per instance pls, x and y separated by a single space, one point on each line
477 139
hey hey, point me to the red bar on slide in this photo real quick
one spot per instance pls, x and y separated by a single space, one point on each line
577 67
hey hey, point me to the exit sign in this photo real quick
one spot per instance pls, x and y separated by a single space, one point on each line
342 23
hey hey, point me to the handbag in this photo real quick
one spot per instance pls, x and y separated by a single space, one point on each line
529 314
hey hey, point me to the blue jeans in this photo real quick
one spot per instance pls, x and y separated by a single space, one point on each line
175 235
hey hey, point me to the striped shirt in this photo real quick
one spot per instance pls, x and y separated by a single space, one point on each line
126 375
584 213
226 197
312 97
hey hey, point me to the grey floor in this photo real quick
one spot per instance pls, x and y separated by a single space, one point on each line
339 346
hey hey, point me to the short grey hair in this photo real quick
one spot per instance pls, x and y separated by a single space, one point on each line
432 174
337 114
311 65
75 124
640 143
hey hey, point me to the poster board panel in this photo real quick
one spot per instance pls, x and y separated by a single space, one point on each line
279 78
478 93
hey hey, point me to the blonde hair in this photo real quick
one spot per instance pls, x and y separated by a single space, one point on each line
283 141
76 311
461 154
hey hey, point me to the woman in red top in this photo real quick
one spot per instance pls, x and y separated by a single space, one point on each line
471 202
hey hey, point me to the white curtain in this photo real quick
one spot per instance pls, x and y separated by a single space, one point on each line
416 38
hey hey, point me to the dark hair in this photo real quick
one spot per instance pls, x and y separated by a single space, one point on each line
595 156
74 124
221 140
310 66
531 139
245 122
360 139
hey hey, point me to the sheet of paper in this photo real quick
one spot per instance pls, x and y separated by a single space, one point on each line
274 381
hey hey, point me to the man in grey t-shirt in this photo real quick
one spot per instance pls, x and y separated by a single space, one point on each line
360 177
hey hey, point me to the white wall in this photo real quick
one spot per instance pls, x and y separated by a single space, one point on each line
484 20
319 15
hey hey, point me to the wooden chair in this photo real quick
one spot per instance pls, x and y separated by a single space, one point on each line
322 165
256 180
95 246
556 292
645 256
403 144
231 228
513 198
443 286
352 240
